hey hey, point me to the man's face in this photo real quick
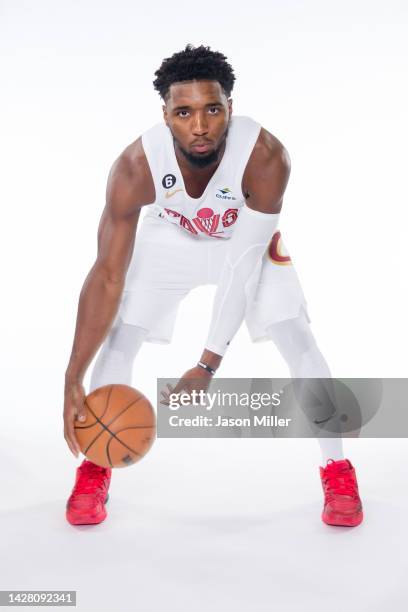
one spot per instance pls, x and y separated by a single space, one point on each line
198 114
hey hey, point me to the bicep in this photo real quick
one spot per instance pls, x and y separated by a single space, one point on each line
266 180
118 223
116 238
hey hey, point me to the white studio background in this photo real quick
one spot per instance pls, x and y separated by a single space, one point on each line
327 78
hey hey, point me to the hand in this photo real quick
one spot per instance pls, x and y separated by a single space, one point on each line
196 379
74 408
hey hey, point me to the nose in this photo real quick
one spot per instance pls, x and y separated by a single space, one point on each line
200 125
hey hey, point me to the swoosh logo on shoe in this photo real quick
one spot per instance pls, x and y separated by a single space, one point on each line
170 194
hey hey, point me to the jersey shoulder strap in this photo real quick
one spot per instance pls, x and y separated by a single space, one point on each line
242 136
155 146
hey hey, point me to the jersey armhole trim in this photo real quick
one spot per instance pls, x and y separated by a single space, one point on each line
147 152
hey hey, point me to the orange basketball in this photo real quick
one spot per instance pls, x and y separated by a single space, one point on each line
120 426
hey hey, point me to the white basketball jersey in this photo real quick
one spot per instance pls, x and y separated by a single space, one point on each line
213 214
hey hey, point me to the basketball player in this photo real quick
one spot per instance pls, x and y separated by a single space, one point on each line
212 185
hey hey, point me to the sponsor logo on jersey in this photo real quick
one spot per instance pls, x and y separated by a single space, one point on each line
168 181
225 194
276 251
170 194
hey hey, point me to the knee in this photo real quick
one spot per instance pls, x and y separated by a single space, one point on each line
125 338
293 336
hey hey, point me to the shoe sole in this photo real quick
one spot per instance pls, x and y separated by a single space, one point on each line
339 520
90 520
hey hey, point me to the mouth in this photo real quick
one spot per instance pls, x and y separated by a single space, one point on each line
201 147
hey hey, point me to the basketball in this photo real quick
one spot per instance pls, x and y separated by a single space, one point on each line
120 426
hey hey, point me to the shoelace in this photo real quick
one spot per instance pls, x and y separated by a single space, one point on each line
90 476
340 482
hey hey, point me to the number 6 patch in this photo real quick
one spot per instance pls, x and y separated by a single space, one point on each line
168 181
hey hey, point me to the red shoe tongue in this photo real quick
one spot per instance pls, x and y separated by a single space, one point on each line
342 464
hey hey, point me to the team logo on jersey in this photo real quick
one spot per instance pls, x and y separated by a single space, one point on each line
183 221
205 221
276 251
229 217
225 194
168 181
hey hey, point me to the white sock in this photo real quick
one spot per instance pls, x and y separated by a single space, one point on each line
297 345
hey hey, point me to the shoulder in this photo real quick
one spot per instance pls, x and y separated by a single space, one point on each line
130 184
266 174
268 154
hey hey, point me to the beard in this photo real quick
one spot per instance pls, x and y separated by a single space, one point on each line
202 161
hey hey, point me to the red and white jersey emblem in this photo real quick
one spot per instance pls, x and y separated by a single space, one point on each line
206 221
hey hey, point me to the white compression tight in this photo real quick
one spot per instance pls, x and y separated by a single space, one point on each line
293 338
114 363
297 345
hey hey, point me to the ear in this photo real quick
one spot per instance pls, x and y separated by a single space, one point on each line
165 114
230 106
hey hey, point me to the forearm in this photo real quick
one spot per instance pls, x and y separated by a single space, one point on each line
229 307
98 304
251 236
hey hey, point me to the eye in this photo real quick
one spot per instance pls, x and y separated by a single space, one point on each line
180 113
214 110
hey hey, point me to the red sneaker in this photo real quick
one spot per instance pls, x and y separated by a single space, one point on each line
342 503
86 504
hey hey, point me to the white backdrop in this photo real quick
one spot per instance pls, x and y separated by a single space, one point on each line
327 78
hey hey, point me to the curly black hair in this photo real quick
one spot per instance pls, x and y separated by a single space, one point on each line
194 63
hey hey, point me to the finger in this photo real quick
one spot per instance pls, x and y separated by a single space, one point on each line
81 415
81 411
180 387
69 443
72 438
